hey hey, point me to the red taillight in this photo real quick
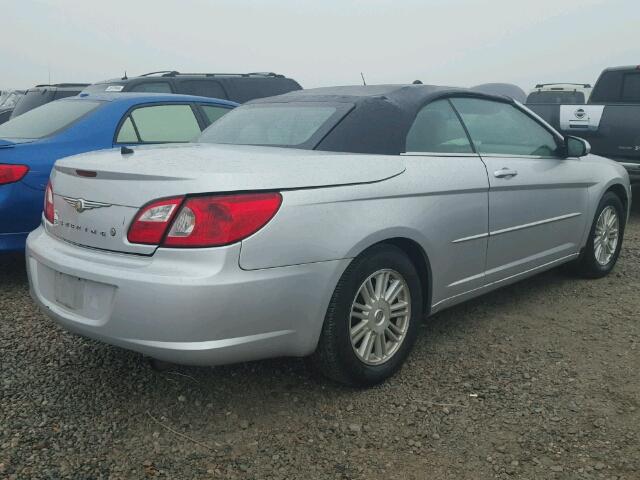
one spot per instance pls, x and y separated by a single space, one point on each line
12 173
152 221
211 221
48 204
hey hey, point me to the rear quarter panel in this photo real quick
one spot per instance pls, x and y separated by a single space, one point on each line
435 201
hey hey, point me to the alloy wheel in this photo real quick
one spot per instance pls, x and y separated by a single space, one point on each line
380 316
606 235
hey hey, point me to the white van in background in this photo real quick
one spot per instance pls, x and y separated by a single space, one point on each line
574 93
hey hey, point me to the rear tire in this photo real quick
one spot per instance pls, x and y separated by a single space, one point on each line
605 239
372 320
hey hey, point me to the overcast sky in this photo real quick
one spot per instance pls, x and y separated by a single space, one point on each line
321 42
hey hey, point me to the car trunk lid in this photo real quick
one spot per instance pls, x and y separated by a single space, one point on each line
97 195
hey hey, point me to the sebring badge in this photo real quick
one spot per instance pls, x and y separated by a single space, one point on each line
81 205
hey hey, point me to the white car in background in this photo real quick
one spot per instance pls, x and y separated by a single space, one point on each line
560 93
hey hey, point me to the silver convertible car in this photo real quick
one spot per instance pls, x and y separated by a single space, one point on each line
322 223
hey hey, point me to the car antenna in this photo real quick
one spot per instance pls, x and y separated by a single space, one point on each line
363 80
124 150
125 76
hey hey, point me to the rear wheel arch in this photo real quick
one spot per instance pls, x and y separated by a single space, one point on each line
420 260
336 356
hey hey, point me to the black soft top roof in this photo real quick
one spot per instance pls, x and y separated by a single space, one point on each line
381 115
407 96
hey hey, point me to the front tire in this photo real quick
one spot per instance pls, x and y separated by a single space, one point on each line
605 239
372 320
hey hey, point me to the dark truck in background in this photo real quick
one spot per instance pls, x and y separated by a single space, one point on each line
609 121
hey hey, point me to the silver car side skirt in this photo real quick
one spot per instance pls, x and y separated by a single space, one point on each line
518 227
496 283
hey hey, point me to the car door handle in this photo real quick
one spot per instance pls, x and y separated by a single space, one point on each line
505 173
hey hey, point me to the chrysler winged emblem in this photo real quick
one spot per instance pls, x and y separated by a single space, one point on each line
81 205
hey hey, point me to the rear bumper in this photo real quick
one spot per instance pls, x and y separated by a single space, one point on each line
190 306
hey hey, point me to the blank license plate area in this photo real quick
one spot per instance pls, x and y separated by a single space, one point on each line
69 291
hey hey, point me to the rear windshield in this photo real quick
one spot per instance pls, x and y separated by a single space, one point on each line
275 124
31 100
47 119
556 97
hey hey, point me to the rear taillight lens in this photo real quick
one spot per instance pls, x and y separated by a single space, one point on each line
152 221
12 173
49 212
211 221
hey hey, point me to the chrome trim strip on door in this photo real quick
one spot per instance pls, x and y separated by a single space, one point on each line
472 237
535 224
517 227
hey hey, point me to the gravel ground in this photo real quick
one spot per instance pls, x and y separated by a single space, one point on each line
539 380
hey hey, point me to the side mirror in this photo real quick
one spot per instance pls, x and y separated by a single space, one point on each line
576 147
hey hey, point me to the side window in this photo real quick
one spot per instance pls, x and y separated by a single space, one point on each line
437 129
152 87
202 88
166 123
631 87
127 133
213 113
501 128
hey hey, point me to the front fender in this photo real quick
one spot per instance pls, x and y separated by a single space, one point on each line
611 175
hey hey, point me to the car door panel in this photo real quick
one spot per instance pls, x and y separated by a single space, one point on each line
454 218
537 203
439 139
536 216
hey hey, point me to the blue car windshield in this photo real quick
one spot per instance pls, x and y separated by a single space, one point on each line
46 120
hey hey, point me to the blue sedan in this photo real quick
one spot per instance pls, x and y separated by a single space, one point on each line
31 143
